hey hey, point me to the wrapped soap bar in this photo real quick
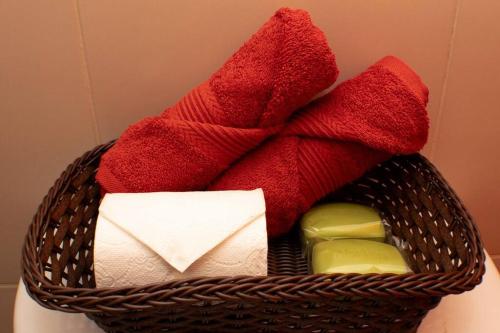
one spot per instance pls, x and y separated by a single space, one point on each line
356 256
341 220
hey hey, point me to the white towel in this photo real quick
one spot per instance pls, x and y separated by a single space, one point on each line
145 238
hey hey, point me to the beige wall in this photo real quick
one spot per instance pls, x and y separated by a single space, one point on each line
74 73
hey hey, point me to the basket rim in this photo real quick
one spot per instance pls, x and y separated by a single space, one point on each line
240 288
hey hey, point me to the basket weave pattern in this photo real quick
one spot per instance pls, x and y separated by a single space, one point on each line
445 251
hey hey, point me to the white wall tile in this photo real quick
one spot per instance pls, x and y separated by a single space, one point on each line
467 147
44 105
7 296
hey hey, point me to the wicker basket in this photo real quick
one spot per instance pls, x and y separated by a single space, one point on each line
444 249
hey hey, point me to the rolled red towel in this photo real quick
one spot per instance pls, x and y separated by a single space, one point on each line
278 70
334 141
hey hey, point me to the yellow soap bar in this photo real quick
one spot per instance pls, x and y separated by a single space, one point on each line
342 220
357 256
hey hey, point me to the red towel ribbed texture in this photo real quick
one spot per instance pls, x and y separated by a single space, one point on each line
285 64
335 140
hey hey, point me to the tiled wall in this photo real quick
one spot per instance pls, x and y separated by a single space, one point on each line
74 73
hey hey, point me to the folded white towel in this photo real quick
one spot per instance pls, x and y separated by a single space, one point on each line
144 238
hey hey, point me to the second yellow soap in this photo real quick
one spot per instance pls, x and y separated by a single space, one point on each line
357 256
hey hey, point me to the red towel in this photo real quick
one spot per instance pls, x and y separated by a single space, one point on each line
334 141
285 64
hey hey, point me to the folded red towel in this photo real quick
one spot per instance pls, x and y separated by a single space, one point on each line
334 141
278 70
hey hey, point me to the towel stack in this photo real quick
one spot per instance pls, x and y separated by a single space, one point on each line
232 132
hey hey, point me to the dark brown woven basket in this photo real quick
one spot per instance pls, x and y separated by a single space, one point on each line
444 250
